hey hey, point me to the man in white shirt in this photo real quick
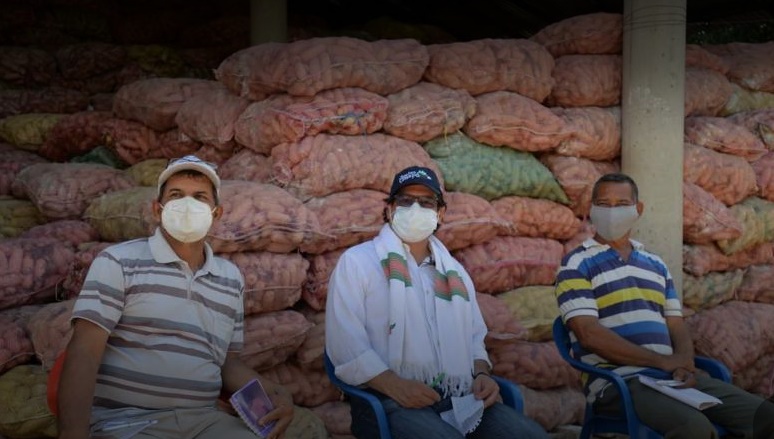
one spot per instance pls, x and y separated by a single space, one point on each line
402 321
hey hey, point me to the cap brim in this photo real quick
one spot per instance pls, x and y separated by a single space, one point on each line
189 166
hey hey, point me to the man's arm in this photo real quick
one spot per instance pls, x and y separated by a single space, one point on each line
78 379
235 374
682 344
604 342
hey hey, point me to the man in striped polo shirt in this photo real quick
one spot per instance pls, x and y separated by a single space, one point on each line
157 329
623 312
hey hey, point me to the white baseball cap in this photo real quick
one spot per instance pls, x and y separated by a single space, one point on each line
190 163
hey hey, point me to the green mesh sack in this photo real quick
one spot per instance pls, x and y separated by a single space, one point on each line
492 172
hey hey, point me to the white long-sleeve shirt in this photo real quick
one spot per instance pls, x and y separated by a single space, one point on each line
358 313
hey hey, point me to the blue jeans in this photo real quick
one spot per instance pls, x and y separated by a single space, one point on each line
498 422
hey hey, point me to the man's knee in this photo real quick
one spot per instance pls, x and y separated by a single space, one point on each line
692 427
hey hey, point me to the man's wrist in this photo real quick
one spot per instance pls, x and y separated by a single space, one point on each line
485 373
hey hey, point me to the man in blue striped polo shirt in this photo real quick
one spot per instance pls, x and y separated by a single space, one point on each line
623 312
158 326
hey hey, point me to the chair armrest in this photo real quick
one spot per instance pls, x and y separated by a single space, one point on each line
510 394
715 368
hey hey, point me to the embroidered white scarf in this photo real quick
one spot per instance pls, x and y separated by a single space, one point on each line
410 346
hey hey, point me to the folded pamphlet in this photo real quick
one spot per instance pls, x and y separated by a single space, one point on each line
252 403
693 397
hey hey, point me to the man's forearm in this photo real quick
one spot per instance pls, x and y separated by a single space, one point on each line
75 393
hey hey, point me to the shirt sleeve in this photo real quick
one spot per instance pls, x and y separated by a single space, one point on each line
101 300
672 307
346 339
574 294
238 335
479 326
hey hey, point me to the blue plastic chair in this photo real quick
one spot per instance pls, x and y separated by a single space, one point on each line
509 392
628 423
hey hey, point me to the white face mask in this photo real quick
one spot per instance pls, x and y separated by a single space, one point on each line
186 219
415 223
613 222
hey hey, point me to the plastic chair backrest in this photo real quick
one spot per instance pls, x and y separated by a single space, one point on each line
509 392
629 423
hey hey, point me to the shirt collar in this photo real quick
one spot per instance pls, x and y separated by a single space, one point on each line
591 242
163 253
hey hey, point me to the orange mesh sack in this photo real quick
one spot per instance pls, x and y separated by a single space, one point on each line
468 220
309 388
706 92
50 329
260 216
64 190
729 178
70 232
600 33
155 102
509 119
758 377
272 280
508 262
696 56
764 173
723 135
535 365
15 345
537 218
32 270
489 172
133 142
315 291
345 218
586 80
594 133
750 65
79 267
710 290
337 418
272 337
12 161
502 326
552 408
210 116
310 354
246 165
577 177
323 164
488 65
760 122
736 333
286 118
426 110
74 135
705 218
699 260
307 67
756 284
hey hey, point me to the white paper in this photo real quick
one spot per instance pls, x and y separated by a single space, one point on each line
693 397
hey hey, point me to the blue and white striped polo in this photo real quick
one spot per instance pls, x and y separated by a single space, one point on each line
170 329
632 298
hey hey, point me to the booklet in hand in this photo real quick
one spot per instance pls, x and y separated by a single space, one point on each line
252 403
693 397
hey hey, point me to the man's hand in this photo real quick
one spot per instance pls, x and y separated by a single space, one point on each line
686 376
485 388
283 415
408 393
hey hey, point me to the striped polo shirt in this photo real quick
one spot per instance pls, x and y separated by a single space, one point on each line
632 298
170 329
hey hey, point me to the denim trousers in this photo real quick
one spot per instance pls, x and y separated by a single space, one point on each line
498 422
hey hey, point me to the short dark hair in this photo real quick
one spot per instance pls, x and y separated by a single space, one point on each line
615 177
195 174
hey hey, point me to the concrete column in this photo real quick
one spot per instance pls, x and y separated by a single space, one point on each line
652 122
268 21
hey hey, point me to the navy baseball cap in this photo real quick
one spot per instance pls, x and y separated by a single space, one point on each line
416 175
